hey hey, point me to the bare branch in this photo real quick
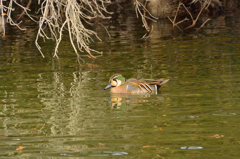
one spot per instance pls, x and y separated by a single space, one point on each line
138 11
60 15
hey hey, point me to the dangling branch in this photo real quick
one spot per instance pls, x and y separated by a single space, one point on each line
60 15
204 5
139 5
24 11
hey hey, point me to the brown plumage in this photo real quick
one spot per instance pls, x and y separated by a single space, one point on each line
118 84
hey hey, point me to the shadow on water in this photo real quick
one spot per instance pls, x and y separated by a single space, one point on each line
56 108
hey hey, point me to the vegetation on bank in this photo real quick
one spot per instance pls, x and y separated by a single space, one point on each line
56 16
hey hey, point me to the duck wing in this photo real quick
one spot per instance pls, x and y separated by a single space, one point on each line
159 82
145 85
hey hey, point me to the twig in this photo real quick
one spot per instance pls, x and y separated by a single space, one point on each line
106 30
147 35
143 16
204 23
27 7
176 24
173 22
205 5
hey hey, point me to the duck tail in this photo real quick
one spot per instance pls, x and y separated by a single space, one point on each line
164 81
161 83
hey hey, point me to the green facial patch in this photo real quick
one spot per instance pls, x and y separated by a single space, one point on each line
121 78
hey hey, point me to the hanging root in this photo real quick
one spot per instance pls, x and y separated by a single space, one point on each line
204 5
141 10
60 15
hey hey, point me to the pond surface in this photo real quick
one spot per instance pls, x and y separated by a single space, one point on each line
53 108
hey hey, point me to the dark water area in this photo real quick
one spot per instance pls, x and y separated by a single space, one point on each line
56 108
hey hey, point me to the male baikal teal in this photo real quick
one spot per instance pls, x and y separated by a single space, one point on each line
119 84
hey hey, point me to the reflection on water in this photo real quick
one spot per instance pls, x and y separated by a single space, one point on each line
56 108
121 100
192 147
96 154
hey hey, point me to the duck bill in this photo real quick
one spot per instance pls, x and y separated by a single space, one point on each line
108 86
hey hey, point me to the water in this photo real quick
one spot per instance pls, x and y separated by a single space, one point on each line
53 108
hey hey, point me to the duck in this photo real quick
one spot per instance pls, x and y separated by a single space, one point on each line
121 85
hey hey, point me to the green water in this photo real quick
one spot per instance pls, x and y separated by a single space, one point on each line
53 108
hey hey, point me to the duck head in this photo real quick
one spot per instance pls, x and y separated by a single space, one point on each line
115 81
